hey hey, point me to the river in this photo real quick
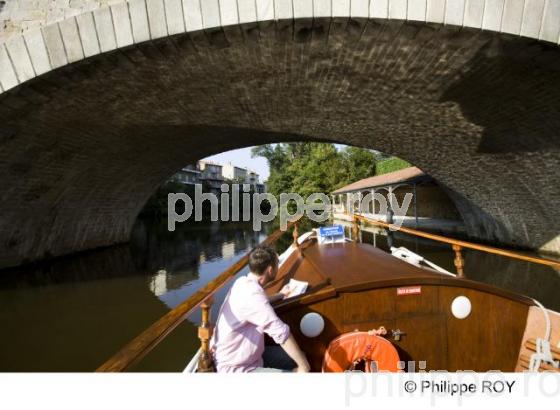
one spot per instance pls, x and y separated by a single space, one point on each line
73 313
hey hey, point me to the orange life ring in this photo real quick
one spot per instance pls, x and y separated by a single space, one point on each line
345 351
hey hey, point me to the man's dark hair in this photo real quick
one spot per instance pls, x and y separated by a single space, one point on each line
260 258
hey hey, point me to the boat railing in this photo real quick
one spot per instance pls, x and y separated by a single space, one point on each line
457 245
145 342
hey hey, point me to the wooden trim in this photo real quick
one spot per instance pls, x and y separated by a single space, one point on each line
524 361
443 281
205 331
319 292
290 265
464 244
142 344
531 344
535 327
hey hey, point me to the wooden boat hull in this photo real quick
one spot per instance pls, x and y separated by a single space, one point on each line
358 287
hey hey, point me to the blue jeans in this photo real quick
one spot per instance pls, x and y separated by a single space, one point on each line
275 359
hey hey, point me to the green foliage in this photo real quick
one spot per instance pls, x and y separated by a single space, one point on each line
157 203
360 163
306 168
156 207
390 164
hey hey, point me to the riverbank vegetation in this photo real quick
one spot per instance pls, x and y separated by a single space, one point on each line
302 168
306 168
390 164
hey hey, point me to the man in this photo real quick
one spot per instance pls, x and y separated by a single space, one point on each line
246 314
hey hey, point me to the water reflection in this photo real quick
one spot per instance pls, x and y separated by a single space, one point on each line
74 313
537 281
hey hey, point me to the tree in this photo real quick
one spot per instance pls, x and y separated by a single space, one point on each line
391 164
306 168
360 163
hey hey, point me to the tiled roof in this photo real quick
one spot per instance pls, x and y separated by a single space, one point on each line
381 180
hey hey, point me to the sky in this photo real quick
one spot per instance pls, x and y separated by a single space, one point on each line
242 158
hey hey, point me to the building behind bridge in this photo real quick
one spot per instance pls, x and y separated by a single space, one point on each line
213 175
430 207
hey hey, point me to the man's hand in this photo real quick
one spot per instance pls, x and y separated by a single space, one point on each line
302 369
291 347
286 290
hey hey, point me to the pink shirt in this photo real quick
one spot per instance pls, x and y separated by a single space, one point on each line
246 314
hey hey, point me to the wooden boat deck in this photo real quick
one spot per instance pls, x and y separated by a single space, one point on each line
355 286
350 267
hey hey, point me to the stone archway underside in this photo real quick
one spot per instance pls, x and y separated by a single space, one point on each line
83 147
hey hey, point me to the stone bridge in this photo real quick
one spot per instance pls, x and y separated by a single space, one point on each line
101 101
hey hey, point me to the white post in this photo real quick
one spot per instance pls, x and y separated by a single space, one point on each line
415 206
390 208
359 202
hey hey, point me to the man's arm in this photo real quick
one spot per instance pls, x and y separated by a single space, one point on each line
291 347
275 297
284 292
258 311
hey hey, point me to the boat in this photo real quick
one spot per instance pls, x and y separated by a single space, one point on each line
410 314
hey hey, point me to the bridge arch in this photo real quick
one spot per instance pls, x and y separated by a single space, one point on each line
90 124
124 23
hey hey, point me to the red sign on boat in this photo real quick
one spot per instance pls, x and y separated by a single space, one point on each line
409 290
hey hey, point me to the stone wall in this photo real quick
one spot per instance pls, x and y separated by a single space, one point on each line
17 16
97 111
432 202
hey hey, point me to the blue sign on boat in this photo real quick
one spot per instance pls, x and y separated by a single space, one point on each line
328 231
